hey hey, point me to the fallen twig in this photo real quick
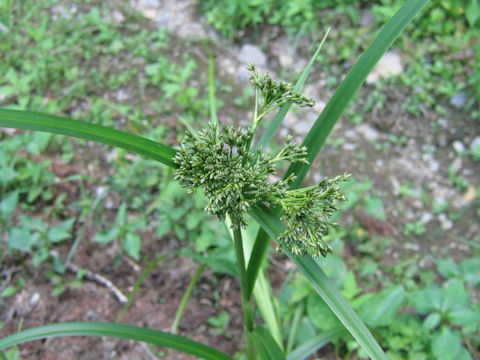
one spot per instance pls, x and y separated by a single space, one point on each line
99 279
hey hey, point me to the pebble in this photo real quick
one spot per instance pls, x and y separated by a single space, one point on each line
445 222
34 299
412 246
457 164
367 19
252 54
367 131
349 146
100 191
149 3
459 100
426 218
122 95
350 133
458 146
303 127
390 64
475 144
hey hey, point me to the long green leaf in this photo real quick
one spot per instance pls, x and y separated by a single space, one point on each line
151 336
350 85
334 109
312 345
323 286
59 125
266 345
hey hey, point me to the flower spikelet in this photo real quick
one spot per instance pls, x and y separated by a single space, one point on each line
306 213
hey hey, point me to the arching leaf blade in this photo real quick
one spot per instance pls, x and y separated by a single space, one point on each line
123 331
64 126
350 85
322 285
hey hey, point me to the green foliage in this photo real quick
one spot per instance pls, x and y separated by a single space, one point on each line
229 17
153 73
445 316
35 236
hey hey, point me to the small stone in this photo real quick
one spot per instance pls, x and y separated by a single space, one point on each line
459 100
412 246
367 19
285 59
149 3
475 145
390 64
122 95
243 74
367 131
303 127
100 191
350 133
446 224
426 218
252 54
117 16
457 164
349 146
34 299
458 146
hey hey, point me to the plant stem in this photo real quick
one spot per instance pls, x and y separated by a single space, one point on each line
246 300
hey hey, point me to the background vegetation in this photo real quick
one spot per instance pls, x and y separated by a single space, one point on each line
64 200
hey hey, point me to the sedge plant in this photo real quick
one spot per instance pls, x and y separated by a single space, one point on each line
238 177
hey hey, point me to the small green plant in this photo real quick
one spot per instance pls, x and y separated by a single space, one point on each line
281 207
123 229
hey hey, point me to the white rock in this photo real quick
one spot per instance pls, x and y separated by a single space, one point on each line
458 146
412 246
149 3
34 299
252 54
350 133
459 100
390 64
367 131
475 144
426 218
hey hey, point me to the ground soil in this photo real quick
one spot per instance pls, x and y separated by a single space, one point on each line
158 298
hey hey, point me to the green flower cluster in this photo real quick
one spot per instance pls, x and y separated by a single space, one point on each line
232 178
276 93
306 213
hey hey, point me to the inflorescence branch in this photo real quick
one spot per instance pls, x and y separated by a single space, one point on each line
234 179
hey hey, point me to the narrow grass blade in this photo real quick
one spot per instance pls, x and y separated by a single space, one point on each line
278 119
262 290
323 285
299 311
266 345
137 285
211 90
186 297
54 124
350 85
314 344
335 108
151 336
